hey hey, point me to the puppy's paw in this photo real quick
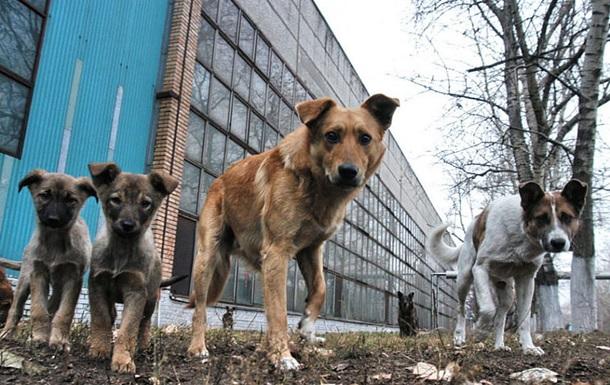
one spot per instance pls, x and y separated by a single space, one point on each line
533 350
502 348
288 364
123 363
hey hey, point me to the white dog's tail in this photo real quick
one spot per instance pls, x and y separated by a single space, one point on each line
442 252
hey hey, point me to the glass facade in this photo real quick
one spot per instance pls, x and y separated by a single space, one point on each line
21 25
243 103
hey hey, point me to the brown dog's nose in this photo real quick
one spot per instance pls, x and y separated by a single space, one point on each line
348 172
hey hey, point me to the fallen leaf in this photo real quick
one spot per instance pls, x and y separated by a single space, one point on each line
340 366
606 348
382 376
429 372
11 360
535 375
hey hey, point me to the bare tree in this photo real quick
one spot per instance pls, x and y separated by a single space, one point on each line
517 99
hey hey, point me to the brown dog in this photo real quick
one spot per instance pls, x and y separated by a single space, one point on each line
125 266
284 203
57 255
6 289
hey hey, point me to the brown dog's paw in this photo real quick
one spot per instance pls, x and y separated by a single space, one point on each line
198 351
100 351
59 342
123 363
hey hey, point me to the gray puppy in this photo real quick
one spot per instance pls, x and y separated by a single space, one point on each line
125 266
56 256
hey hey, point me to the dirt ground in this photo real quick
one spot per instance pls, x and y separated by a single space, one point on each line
345 358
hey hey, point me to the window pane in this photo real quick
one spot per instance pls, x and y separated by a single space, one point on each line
273 107
270 137
223 59
276 70
194 138
211 8
214 149
219 103
235 152
262 55
301 95
228 294
255 135
190 185
288 85
258 290
239 119
257 94
205 44
246 36
285 125
201 88
227 19
245 284
19 33
241 77
13 98
204 186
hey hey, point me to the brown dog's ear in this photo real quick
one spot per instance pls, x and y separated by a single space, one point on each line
163 182
33 177
311 111
531 193
85 185
382 108
103 173
575 192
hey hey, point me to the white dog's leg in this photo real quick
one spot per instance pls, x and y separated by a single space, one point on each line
524 286
485 297
464 282
505 294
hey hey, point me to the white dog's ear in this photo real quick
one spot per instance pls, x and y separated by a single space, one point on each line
531 193
575 192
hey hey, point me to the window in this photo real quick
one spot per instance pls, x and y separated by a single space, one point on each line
21 26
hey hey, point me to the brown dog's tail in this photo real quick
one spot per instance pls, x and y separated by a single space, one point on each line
171 280
217 284
10 264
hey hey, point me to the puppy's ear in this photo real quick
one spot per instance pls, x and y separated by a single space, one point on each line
400 295
32 178
85 185
531 193
575 192
163 182
410 296
103 173
312 111
382 108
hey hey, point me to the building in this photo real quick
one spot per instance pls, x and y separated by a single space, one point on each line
190 86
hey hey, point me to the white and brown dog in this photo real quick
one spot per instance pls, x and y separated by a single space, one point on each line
503 250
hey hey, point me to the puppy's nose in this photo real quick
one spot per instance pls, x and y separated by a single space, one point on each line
52 220
348 171
558 244
127 225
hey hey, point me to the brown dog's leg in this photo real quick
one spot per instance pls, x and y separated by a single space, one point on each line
210 228
144 331
275 271
39 284
134 300
71 278
16 311
311 265
100 341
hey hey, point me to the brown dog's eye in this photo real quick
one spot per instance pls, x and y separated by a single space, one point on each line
542 219
364 139
332 137
566 218
116 201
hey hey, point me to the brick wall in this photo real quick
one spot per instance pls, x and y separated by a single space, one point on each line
174 102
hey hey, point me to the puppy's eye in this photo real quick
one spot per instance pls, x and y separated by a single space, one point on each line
542 219
566 218
146 204
332 137
364 139
44 195
116 201
71 201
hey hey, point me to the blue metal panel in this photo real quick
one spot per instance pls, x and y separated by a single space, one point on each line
113 43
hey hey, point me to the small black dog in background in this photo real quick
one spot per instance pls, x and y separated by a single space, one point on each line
227 318
407 315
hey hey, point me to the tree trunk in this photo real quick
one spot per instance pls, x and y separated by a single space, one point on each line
582 284
548 310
